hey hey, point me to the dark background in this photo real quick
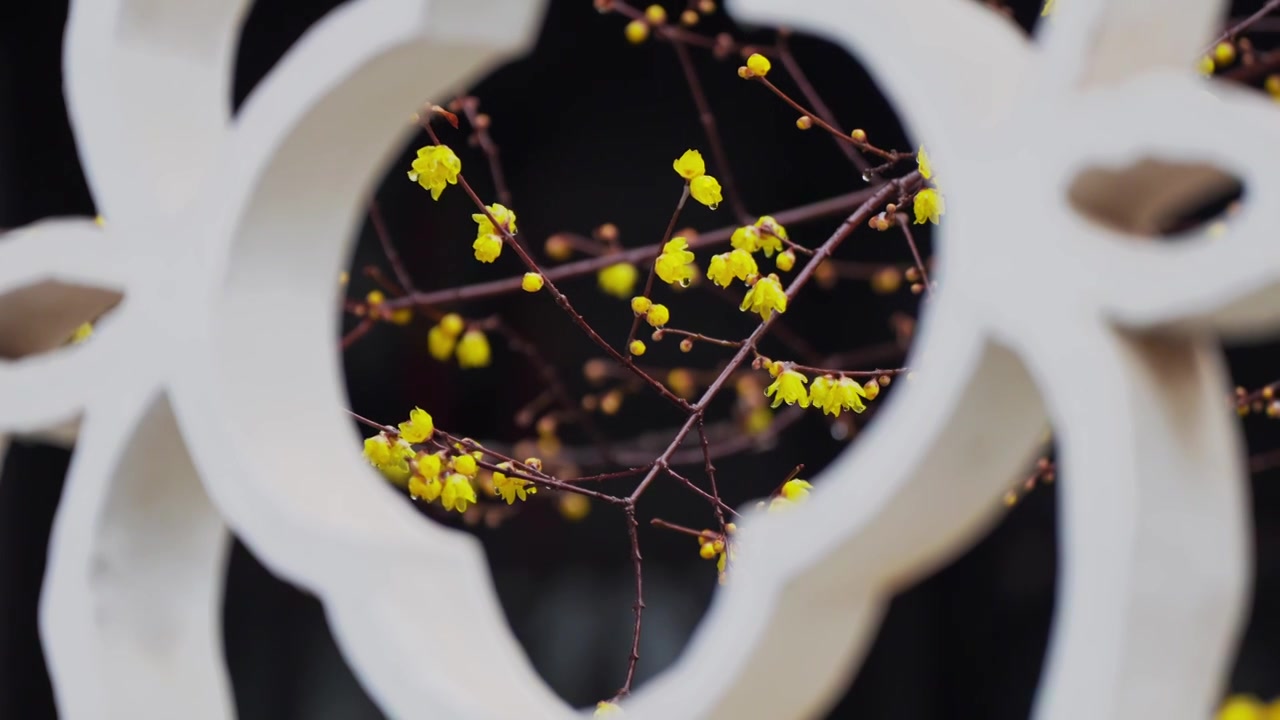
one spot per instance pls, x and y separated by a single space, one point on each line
588 126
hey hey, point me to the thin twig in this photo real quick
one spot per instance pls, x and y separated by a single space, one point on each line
915 252
389 248
811 96
494 288
708 120
634 537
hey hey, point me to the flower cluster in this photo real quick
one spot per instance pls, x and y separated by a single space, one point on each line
703 187
716 546
488 244
509 488
472 349
828 393
434 167
374 301
929 203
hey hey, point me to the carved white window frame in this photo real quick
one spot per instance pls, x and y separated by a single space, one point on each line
212 219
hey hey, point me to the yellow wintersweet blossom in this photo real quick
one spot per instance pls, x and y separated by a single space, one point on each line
746 238
833 395
636 347
674 264
425 488
506 219
391 459
690 165
737 263
1205 65
457 493
922 161
640 304
419 427
929 206
618 280
706 190
435 167
473 350
488 247
788 388
510 488
765 297
771 235
759 64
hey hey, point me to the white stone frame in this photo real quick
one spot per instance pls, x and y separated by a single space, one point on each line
202 411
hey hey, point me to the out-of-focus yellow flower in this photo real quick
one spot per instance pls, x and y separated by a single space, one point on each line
473 350
796 490
390 458
655 14
1048 8
440 343
618 280
574 507
1246 707
788 388
758 420
607 709
435 167
82 333
637 31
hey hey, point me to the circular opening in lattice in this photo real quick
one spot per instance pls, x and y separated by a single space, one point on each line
574 410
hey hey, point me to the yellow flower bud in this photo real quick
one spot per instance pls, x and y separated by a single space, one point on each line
786 260
532 282
466 465
1224 54
637 31
473 350
637 347
804 122
452 324
759 64
655 14
707 551
640 304
859 135
657 315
